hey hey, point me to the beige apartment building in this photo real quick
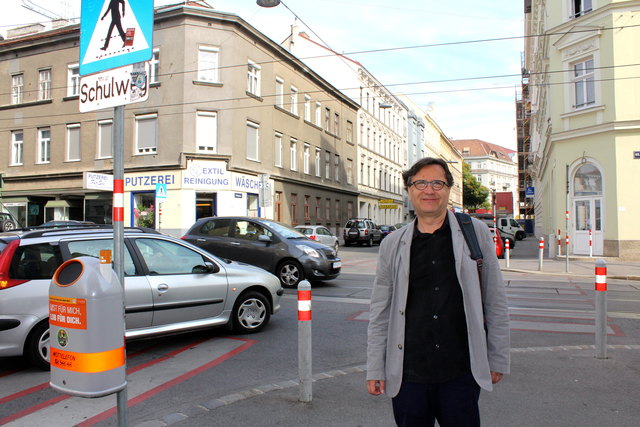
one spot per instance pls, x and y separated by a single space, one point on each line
581 62
234 125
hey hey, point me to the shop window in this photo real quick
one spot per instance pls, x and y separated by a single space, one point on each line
144 211
206 205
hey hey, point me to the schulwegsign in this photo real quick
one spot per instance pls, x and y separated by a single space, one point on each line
114 33
119 86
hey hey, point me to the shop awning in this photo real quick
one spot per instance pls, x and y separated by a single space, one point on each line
62 204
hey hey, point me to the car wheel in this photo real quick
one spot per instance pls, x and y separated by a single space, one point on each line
370 241
520 235
37 347
7 225
290 273
251 313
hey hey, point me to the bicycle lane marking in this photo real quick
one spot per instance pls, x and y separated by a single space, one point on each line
143 381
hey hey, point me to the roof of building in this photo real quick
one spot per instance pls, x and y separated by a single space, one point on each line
480 148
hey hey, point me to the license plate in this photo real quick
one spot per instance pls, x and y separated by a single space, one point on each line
337 264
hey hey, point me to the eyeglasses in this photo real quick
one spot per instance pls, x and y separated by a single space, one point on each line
421 184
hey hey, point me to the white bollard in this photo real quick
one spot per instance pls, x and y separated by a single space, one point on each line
304 340
601 309
541 254
507 251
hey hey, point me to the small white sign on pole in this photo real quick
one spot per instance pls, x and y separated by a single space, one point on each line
115 87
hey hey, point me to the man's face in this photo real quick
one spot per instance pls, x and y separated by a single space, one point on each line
429 202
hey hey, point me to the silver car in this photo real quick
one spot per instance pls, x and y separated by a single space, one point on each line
321 234
170 286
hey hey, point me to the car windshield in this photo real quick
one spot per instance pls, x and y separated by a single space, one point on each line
284 230
357 224
305 231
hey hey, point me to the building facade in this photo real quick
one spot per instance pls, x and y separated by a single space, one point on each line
492 165
585 122
234 125
380 130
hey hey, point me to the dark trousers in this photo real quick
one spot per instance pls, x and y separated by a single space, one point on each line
452 404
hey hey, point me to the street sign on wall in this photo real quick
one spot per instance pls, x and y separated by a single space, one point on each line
119 86
114 33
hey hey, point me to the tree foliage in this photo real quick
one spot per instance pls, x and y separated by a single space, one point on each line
474 194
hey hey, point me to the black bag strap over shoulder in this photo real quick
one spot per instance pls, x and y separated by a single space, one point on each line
466 225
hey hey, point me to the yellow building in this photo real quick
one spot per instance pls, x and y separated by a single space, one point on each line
583 61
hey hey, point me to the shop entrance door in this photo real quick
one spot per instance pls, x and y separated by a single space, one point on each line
588 216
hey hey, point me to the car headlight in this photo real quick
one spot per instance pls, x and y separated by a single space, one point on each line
308 251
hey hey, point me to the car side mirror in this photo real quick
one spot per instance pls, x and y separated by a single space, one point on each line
208 267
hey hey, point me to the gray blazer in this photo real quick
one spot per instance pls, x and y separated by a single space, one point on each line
488 352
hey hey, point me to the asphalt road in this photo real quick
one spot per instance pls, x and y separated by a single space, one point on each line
184 373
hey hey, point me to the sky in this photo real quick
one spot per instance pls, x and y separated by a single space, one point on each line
458 62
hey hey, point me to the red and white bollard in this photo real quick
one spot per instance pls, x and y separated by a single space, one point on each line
559 243
304 340
601 309
507 251
541 255
590 243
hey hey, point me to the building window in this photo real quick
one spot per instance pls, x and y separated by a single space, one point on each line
327 209
207 131
105 129
279 92
146 134
318 162
583 83
155 66
349 171
293 151
318 114
307 108
349 135
306 158
73 80
337 210
307 214
327 165
208 64
253 78
349 209
336 167
318 208
253 141
17 147
44 145
44 84
73 142
17 88
336 124
278 150
327 119
294 100
580 7
278 206
294 206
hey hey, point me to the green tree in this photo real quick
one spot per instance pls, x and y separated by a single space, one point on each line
474 194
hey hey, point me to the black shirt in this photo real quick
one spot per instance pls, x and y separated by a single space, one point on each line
436 345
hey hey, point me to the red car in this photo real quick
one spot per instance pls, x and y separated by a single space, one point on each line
499 244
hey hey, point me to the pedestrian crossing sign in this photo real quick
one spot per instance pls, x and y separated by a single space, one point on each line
161 191
114 33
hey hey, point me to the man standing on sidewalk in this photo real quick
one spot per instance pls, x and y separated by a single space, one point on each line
435 336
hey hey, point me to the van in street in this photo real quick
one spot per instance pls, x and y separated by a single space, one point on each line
509 228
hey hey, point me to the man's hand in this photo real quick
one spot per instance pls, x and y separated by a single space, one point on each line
495 377
375 387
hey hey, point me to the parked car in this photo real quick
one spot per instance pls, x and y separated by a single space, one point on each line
6 222
66 223
499 243
321 234
385 230
361 231
276 247
170 286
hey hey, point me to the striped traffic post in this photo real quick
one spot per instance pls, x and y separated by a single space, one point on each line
507 250
559 243
601 309
566 255
304 340
541 253
590 243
